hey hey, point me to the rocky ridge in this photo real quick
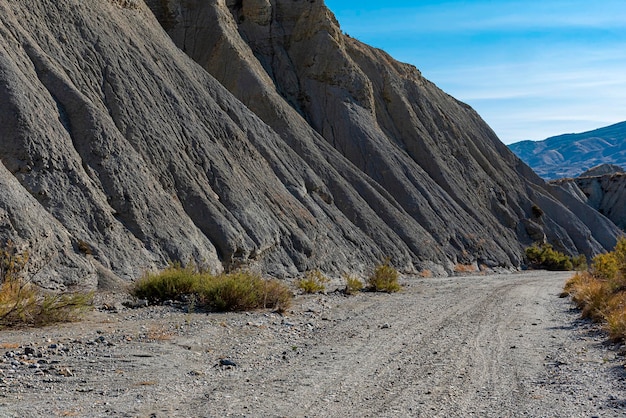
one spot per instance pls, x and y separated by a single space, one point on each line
569 155
604 193
285 146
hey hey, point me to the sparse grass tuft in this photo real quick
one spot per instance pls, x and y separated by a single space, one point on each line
24 304
236 291
313 282
384 279
353 284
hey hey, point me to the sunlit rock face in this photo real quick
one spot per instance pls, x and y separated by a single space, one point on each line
247 133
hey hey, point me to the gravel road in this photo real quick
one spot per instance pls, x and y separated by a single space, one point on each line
483 346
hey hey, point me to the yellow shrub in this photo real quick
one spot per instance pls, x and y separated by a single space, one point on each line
313 282
353 284
604 266
591 296
384 279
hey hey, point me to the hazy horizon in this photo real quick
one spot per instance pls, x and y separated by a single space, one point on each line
532 69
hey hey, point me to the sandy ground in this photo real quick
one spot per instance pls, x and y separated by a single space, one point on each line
484 346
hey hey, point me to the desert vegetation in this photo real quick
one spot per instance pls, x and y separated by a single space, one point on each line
353 284
25 304
600 292
384 278
544 256
313 281
236 291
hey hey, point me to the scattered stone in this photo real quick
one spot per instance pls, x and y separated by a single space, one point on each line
227 362
65 372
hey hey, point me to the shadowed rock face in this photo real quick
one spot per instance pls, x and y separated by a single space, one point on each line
291 146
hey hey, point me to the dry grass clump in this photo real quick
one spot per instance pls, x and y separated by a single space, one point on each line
24 304
464 268
384 279
353 285
237 291
600 293
313 282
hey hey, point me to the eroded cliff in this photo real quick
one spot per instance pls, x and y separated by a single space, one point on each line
285 146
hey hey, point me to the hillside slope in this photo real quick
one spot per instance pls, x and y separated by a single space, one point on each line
571 154
120 153
605 193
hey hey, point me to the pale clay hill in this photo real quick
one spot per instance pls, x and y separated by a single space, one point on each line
606 193
250 134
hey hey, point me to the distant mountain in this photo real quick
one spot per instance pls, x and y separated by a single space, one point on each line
570 155
602 170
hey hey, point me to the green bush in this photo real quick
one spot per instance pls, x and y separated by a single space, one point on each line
173 283
313 282
384 279
546 257
237 291
580 262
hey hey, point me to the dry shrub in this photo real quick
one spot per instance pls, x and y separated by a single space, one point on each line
384 279
616 316
313 282
170 284
591 297
464 268
24 304
236 291
601 292
604 266
353 284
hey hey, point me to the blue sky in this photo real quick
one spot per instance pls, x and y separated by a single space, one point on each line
532 69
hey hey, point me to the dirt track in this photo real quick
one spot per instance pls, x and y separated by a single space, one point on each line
480 346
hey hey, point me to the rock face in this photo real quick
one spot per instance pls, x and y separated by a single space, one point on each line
290 146
602 169
605 193
567 156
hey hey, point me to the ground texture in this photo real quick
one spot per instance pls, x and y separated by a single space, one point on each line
485 346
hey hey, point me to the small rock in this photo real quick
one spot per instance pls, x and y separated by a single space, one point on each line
65 372
385 326
227 362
